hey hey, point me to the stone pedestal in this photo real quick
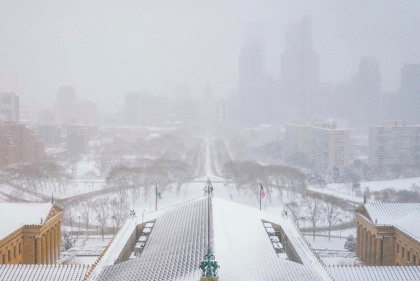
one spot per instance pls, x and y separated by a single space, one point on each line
209 278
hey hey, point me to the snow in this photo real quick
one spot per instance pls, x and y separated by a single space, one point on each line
42 272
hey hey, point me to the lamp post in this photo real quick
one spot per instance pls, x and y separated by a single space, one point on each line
340 220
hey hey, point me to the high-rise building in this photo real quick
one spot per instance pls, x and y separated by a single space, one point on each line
78 137
410 92
255 98
368 88
394 143
9 107
299 67
65 107
298 138
330 147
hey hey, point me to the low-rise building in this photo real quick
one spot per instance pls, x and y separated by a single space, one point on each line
30 233
388 233
50 134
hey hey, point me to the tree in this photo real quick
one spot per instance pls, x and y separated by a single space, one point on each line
66 241
332 213
350 243
101 208
69 215
313 207
296 212
86 214
120 178
336 174
118 212
367 193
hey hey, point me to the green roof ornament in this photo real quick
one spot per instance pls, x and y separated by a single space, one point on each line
209 266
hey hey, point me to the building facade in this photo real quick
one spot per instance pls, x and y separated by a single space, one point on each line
394 143
34 235
9 107
388 234
329 147
78 137
50 134
19 144
298 138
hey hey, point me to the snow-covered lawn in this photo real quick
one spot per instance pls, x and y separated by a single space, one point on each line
340 190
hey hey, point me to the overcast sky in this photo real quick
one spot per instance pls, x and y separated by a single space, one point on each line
108 48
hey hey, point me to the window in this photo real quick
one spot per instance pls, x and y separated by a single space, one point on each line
9 256
403 252
408 255
398 248
14 251
3 261
20 249
414 260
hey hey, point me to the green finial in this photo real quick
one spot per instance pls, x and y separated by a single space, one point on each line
209 266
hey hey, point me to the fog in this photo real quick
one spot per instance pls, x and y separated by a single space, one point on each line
105 50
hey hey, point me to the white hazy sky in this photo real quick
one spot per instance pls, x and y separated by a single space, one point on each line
108 48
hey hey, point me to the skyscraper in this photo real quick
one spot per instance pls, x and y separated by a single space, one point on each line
255 94
299 67
410 92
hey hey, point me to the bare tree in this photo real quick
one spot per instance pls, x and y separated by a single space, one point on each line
296 212
118 212
332 213
86 214
313 207
120 178
69 215
101 208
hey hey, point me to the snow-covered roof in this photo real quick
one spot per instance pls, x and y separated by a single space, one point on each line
375 273
389 213
15 215
410 224
242 246
26 272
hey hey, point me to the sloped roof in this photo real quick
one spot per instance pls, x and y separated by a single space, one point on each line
26 272
15 215
389 213
242 247
174 248
375 273
410 224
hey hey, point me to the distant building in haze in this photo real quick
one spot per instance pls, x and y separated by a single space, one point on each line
298 138
145 110
299 67
394 143
50 134
19 144
410 92
9 107
330 147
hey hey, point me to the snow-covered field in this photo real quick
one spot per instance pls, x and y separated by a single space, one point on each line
340 190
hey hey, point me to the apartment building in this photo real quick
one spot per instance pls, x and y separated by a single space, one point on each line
329 147
298 138
394 143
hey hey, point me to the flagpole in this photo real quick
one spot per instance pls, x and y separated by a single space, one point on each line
156 195
260 195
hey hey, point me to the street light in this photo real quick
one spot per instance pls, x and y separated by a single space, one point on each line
340 227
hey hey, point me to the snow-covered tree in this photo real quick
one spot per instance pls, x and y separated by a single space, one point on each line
350 243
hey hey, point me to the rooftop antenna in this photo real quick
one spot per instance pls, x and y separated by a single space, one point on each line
209 266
